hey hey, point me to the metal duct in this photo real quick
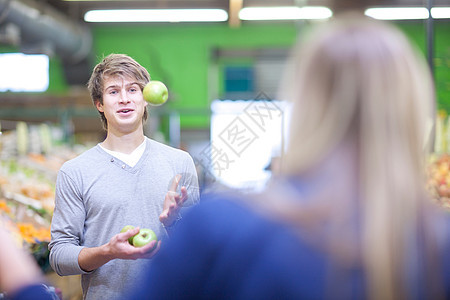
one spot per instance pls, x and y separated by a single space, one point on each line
45 28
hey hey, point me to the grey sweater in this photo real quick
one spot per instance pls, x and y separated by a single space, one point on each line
97 195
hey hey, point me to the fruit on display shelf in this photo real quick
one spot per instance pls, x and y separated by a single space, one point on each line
438 180
26 235
32 234
4 207
28 230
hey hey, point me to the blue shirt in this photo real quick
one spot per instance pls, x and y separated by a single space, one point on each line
224 250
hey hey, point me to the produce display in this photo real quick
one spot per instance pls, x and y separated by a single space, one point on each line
29 163
26 206
438 168
438 181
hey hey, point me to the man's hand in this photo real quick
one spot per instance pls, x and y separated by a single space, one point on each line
118 247
173 202
119 244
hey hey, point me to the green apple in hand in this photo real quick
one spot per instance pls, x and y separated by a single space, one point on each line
144 237
125 229
155 92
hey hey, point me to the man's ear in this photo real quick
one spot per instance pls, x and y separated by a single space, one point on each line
99 106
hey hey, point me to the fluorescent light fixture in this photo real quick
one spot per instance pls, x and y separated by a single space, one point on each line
397 13
156 15
285 13
440 12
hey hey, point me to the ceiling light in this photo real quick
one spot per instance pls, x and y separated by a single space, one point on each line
285 13
440 12
156 15
397 13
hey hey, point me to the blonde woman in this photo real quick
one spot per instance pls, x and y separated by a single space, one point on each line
349 217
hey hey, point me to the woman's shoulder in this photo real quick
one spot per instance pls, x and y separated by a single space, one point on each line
228 209
233 237
230 220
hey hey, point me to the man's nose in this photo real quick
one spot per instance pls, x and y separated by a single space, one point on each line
123 98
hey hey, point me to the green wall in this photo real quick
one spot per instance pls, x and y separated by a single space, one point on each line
180 56
416 31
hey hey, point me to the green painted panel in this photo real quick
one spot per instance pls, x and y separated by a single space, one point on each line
416 32
180 55
442 64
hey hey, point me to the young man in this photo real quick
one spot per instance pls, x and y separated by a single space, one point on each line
128 179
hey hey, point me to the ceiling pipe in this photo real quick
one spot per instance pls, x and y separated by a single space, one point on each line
44 29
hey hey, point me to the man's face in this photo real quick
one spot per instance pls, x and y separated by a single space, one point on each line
123 104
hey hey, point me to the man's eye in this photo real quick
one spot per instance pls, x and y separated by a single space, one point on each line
133 90
113 92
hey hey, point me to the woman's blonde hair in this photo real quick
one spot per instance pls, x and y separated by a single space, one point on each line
361 79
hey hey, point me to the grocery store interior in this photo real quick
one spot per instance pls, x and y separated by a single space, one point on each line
220 66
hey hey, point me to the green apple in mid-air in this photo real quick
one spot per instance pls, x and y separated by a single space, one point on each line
125 229
155 92
144 237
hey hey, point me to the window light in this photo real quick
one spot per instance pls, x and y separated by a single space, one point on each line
440 12
397 13
24 73
285 13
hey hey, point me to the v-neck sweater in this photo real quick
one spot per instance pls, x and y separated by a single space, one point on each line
98 194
